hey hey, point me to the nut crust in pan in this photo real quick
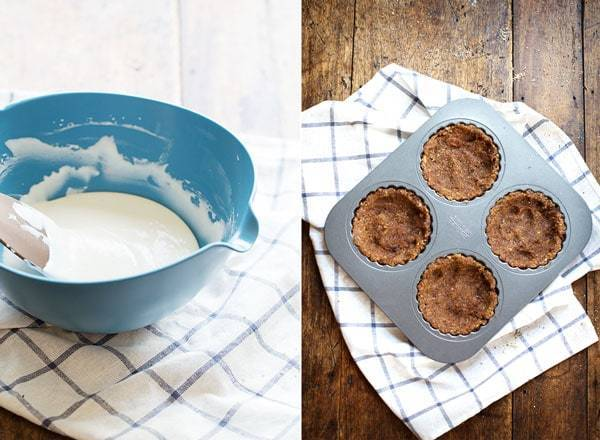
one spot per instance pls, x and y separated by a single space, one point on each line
526 229
457 294
391 226
460 162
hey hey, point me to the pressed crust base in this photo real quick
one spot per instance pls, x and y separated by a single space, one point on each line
391 226
526 229
460 162
457 294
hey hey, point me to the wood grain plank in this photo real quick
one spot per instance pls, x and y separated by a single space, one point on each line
321 351
327 32
462 42
326 74
548 61
591 69
361 405
13 427
548 77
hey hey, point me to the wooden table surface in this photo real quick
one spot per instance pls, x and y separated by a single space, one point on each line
544 53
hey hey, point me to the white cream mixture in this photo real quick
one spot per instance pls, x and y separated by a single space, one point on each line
98 236
103 235
104 158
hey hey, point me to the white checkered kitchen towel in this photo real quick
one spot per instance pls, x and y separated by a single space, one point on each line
342 142
224 366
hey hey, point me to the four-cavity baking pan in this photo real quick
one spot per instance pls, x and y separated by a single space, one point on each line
457 227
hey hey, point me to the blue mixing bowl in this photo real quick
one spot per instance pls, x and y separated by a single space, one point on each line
207 160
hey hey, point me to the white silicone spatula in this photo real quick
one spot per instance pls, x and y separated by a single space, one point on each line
22 231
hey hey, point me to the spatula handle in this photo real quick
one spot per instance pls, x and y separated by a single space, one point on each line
25 238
